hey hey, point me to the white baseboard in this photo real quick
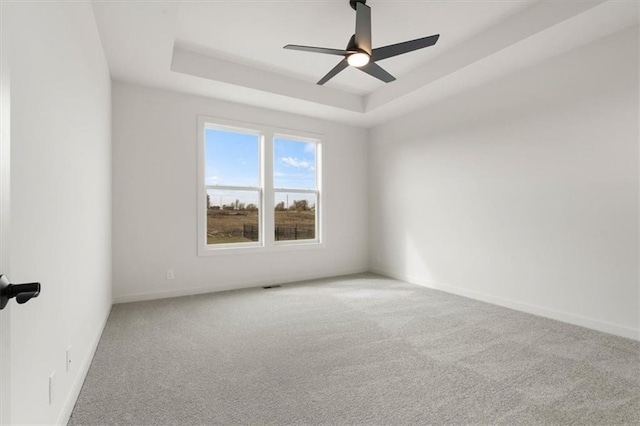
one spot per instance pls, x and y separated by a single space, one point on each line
72 397
618 330
164 294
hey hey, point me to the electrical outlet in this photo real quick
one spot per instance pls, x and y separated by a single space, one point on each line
170 275
52 387
68 359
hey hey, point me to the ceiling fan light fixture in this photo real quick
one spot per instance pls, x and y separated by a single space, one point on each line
360 53
358 59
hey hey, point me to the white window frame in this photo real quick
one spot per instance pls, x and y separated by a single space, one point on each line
266 189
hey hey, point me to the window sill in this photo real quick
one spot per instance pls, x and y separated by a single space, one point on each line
255 249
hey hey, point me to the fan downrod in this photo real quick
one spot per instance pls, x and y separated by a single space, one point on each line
353 3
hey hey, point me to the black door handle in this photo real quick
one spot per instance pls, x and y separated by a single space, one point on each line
22 292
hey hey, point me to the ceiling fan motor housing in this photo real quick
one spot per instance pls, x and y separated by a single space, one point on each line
352 46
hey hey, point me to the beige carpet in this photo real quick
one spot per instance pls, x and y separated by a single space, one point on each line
353 350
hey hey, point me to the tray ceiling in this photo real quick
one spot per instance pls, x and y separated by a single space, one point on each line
232 50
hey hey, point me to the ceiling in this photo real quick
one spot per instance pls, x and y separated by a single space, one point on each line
232 50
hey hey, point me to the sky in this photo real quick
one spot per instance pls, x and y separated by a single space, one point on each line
233 159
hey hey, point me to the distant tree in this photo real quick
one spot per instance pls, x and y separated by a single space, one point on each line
228 207
241 206
208 202
280 206
237 203
301 205
252 207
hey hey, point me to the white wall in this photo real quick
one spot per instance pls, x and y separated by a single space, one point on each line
523 192
155 199
61 192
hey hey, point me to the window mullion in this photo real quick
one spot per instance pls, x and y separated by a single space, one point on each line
267 183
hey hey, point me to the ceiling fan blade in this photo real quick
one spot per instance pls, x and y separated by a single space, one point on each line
363 27
400 48
378 72
341 65
324 50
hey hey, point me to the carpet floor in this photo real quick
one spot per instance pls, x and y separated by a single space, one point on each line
361 349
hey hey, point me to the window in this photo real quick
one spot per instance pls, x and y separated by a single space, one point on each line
233 185
295 189
259 188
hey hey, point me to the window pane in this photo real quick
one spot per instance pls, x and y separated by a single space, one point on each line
231 158
232 216
294 164
295 216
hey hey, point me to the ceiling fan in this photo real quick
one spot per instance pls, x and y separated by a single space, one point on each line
359 52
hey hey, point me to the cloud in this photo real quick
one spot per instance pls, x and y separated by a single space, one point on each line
297 163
